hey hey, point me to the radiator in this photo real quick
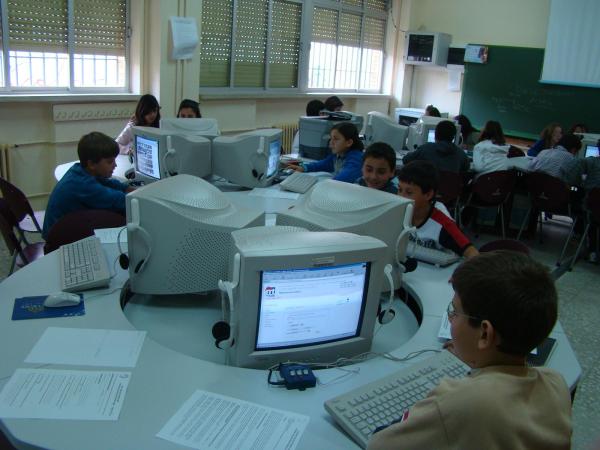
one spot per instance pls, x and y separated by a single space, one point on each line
4 171
289 131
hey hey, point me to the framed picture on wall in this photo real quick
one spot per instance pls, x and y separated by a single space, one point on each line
475 53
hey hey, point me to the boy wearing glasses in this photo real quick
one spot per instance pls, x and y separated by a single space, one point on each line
504 305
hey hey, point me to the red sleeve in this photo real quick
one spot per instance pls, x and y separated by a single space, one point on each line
450 235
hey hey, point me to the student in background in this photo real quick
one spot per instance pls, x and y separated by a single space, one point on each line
345 161
379 168
432 111
147 114
504 306
469 134
87 184
578 128
313 108
560 161
419 181
491 151
189 109
443 153
548 139
333 103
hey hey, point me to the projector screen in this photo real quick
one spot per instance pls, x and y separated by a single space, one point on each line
572 50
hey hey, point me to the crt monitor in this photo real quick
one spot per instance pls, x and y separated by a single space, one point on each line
160 154
592 150
314 132
381 128
209 128
335 206
302 296
423 131
248 159
179 235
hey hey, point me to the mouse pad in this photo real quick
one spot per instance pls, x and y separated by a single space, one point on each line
33 308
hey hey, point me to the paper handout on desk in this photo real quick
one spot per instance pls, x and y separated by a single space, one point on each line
64 394
210 421
111 235
87 347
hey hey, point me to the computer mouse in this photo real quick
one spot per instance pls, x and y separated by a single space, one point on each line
60 299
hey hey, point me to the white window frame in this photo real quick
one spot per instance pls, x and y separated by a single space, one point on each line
7 89
304 53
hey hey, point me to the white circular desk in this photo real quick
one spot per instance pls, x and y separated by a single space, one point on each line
164 378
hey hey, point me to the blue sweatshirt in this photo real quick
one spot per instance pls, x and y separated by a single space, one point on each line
349 165
78 190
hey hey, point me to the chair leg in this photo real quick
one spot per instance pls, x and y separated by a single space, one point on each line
564 249
501 208
525 219
583 236
541 222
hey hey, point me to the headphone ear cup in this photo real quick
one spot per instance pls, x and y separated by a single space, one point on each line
124 261
386 316
221 331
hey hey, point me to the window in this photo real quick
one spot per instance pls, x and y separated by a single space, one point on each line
347 45
250 43
56 45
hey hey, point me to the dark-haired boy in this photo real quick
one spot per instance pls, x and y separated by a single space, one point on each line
443 153
418 181
504 306
87 184
379 168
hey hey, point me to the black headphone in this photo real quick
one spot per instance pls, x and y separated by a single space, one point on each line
221 331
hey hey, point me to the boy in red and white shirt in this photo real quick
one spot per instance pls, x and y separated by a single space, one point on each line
435 227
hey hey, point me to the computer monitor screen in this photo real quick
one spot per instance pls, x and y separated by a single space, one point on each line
146 156
248 159
298 295
274 153
296 306
431 136
592 150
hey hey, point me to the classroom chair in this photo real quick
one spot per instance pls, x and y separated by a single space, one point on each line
491 190
592 217
505 244
551 195
21 253
81 224
28 220
450 188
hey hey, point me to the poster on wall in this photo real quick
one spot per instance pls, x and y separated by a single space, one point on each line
184 37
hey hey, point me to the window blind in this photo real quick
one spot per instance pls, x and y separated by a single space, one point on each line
350 25
358 3
100 26
324 26
250 43
285 44
374 33
379 5
38 25
215 45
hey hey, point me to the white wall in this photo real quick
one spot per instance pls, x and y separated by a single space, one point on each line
519 23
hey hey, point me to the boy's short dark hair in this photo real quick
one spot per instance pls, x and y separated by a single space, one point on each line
96 146
333 102
570 142
420 173
514 292
381 150
314 107
445 131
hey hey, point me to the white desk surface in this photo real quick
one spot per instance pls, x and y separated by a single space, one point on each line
123 164
164 378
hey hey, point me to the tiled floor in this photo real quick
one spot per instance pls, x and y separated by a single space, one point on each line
579 313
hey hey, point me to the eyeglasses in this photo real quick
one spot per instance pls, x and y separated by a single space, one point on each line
452 313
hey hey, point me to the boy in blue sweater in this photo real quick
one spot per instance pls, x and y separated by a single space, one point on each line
87 184
345 161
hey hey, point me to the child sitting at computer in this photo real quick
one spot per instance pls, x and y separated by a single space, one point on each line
147 114
189 109
504 306
418 181
87 184
379 168
345 160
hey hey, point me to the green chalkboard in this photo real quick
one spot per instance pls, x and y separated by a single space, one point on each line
507 89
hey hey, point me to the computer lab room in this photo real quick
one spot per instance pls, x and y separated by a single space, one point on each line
299 224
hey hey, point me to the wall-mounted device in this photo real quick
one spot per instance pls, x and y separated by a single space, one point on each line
426 49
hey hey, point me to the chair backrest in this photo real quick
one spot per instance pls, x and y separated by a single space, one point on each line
494 187
16 199
548 193
505 244
450 187
7 224
81 224
593 204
